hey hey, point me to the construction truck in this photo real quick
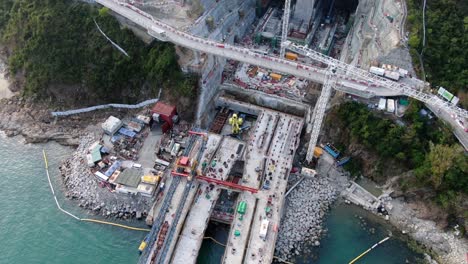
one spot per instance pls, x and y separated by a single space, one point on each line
241 208
236 123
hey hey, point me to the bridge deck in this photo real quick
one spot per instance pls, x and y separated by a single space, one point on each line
191 237
272 138
280 156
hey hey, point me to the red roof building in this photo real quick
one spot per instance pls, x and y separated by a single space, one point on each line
163 113
184 161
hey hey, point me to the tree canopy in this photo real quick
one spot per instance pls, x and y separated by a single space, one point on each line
426 146
57 42
445 55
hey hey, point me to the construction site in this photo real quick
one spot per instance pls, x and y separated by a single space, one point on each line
233 164
233 173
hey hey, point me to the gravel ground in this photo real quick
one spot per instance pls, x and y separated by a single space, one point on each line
83 186
399 57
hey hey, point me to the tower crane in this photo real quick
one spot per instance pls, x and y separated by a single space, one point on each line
284 30
319 111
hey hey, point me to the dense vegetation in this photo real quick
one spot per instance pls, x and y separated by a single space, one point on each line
445 56
423 145
57 42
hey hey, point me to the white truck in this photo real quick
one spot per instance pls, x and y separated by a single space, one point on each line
391 106
382 104
377 71
392 75
264 229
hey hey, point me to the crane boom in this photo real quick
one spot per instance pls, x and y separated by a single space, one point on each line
284 30
319 112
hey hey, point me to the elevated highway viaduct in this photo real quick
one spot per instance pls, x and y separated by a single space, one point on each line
348 78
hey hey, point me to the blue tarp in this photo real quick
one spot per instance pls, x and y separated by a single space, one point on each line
332 152
104 150
127 132
343 161
138 121
116 137
113 168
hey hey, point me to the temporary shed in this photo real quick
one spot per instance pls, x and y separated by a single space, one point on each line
96 153
184 161
114 176
308 172
275 76
113 168
144 119
163 111
112 125
101 175
390 105
318 151
127 132
130 177
119 188
291 56
150 179
146 189
135 126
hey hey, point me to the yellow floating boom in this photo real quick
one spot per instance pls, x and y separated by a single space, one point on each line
367 251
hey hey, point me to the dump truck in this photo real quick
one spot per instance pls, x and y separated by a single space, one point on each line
290 56
318 151
275 76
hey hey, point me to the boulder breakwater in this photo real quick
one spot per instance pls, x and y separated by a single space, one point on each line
306 207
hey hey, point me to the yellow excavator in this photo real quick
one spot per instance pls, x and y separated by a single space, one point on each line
236 123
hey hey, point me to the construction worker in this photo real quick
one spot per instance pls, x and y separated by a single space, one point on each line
235 122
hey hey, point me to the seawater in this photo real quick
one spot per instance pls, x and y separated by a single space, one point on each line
351 231
33 230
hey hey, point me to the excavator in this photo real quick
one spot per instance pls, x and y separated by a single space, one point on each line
236 123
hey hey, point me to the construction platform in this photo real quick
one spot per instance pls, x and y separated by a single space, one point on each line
219 166
269 158
256 167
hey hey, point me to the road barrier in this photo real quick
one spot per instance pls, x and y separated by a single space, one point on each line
98 107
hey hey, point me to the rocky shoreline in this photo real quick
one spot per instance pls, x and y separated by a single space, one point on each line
82 186
308 204
448 248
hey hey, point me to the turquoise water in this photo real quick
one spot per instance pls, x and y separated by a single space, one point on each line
352 231
32 230
348 237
